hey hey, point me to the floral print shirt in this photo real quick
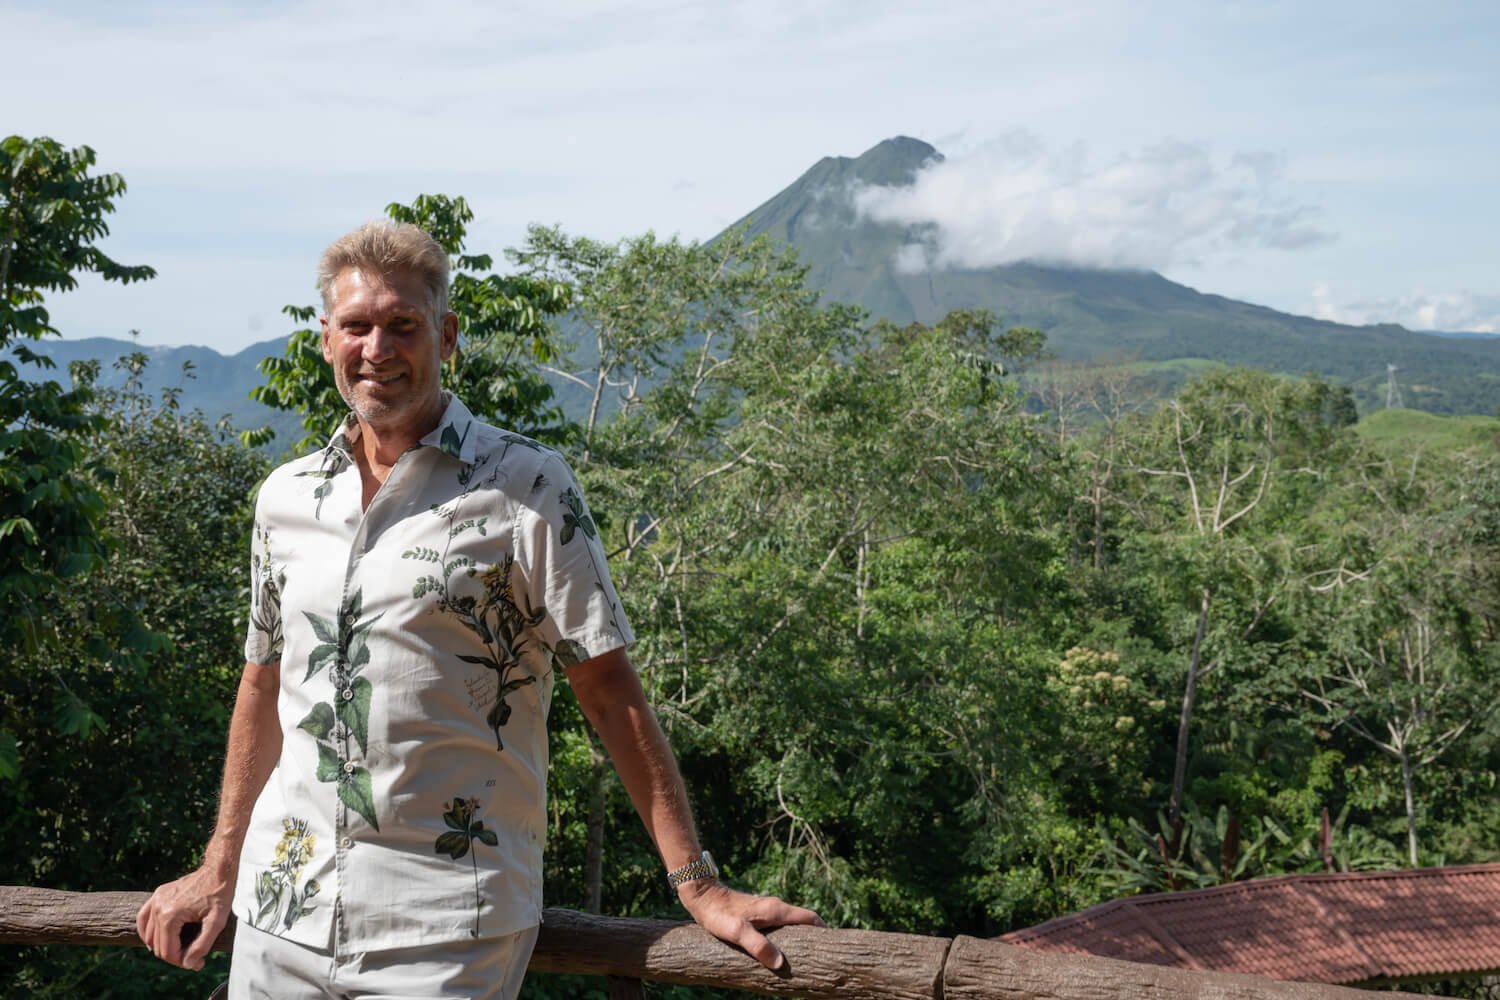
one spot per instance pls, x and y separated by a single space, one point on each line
418 641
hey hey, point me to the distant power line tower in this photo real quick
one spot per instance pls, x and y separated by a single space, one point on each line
1392 390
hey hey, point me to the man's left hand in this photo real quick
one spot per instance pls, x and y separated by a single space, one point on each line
739 918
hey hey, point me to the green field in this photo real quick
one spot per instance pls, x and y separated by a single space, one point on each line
1414 428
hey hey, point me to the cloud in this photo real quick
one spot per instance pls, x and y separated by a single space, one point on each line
1171 203
1449 312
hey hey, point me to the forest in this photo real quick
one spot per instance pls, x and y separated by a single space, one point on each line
949 636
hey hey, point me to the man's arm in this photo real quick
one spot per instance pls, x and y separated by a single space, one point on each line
204 896
609 692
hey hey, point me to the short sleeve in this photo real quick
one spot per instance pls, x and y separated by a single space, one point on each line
563 570
263 635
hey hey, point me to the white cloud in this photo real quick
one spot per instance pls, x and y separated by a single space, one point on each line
1450 312
1170 203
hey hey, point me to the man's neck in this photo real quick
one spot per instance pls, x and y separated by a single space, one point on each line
376 450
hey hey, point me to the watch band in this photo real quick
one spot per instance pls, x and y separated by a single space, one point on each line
703 867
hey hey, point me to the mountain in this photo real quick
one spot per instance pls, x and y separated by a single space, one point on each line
1094 314
217 384
1166 328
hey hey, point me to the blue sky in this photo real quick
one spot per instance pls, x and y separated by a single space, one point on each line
1332 159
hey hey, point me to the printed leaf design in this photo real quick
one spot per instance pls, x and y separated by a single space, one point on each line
570 653
354 712
330 768
465 827
298 908
483 661
356 793
327 651
319 722
576 517
453 844
451 443
323 628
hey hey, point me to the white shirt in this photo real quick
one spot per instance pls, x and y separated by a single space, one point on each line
418 642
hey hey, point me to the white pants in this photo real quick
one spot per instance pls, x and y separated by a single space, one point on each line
266 967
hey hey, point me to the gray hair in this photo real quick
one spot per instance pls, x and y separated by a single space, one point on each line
386 248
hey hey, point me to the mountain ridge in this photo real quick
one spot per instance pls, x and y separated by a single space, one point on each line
1096 313
1088 314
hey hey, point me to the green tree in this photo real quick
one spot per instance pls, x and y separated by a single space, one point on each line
133 805
1404 656
52 214
834 539
1225 467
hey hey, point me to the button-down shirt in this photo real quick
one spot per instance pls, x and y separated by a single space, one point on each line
418 641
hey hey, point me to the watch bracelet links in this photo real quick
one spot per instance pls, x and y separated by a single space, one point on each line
701 867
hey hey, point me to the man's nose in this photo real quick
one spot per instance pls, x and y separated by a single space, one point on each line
376 345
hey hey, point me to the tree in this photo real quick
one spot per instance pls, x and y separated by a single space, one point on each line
52 213
503 338
132 805
1404 652
833 538
1224 468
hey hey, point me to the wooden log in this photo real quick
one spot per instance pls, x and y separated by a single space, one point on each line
989 970
860 965
821 963
52 916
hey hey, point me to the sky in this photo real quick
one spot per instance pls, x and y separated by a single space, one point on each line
1332 159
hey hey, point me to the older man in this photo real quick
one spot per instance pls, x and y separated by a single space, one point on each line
415 585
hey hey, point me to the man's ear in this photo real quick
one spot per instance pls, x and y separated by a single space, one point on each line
327 348
448 336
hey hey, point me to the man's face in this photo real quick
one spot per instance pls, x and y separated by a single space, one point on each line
387 349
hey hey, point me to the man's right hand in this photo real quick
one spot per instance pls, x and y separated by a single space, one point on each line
202 897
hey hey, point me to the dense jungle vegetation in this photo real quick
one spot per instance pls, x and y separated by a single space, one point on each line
949 638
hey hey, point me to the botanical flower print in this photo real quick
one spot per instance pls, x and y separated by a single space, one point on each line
502 626
276 892
465 827
344 650
335 460
265 613
577 518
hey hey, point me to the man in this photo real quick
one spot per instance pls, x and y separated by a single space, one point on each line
415 585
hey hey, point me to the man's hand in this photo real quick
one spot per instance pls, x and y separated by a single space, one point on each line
202 897
738 917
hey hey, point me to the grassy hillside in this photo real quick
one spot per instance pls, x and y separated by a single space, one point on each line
1405 428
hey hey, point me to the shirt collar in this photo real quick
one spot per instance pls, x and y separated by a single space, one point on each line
453 435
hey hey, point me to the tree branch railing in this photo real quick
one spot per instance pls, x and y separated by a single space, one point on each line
821 962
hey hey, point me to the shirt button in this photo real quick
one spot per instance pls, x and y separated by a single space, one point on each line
347 843
348 694
348 767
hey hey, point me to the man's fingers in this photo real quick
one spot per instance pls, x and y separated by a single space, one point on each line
760 947
784 914
208 932
143 922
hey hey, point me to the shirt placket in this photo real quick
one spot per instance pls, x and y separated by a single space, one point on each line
348 749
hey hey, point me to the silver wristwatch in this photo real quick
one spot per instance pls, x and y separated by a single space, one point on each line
704 867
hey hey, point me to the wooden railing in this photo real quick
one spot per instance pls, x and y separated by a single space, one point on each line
821 963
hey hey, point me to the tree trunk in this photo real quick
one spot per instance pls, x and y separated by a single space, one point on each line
1411 808
593 865
1184 726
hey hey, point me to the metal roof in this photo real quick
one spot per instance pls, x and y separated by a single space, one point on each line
1343 928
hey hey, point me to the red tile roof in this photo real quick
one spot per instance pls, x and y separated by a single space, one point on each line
1346 928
